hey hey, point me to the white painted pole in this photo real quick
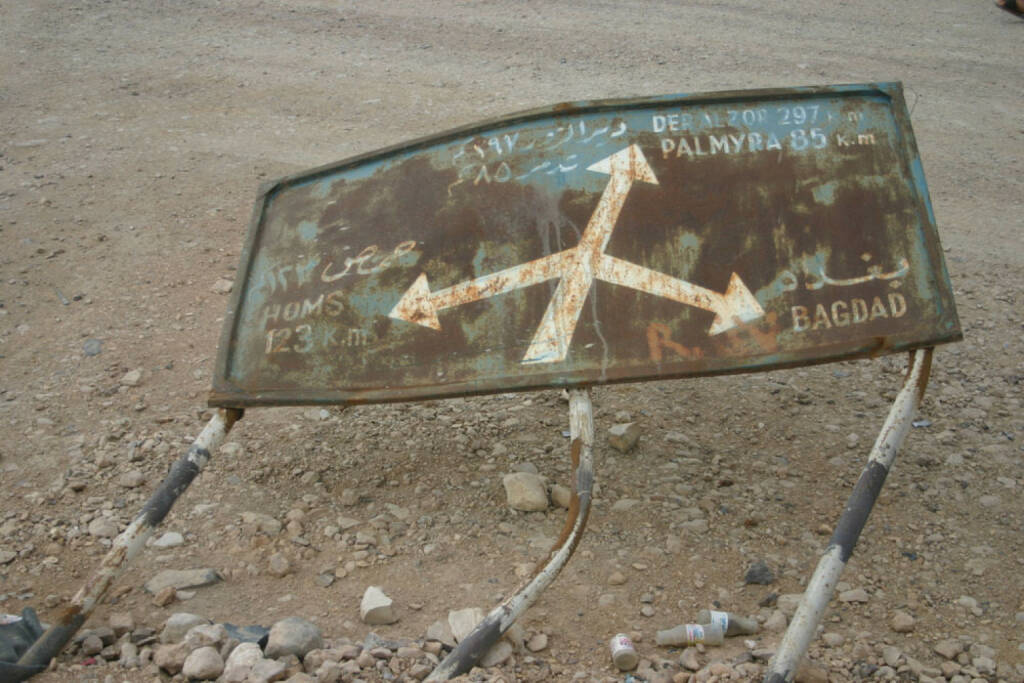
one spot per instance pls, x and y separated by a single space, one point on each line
822 585
475 645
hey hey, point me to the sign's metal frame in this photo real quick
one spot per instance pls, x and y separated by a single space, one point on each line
234 383
823 582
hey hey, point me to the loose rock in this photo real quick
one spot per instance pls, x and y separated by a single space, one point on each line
170 539
278 565
376 607
222 286
178 624
182 578
537 642
103 527
171 657
121 623
204 664
132 479
241 661
293 636
561 496
525 491
624 437
854 595
902 622
133 378
759 573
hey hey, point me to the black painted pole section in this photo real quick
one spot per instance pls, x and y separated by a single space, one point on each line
820 588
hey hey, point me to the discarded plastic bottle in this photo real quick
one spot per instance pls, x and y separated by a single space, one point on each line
624 655
691 634
731 624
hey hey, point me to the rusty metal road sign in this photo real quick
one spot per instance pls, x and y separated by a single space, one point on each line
589 243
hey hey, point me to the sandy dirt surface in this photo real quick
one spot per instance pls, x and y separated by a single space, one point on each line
133 137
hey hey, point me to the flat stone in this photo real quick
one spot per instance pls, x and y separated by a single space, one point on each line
205 635
133 378
441 631
178 624
7 556
263 523
525 491
463 621
170 539
681 439
293 636
376 608
182 578
222 286
104 527
121 623
204 664
948 648
854 595
346 523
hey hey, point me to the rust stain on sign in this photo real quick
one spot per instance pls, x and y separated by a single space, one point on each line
593 242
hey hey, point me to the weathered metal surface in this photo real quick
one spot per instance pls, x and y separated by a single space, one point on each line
590 243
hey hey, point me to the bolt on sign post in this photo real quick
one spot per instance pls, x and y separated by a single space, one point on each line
601 242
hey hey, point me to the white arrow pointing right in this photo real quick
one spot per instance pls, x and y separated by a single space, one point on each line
736 306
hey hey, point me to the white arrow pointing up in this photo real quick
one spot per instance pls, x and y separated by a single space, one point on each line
551 341
577 268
